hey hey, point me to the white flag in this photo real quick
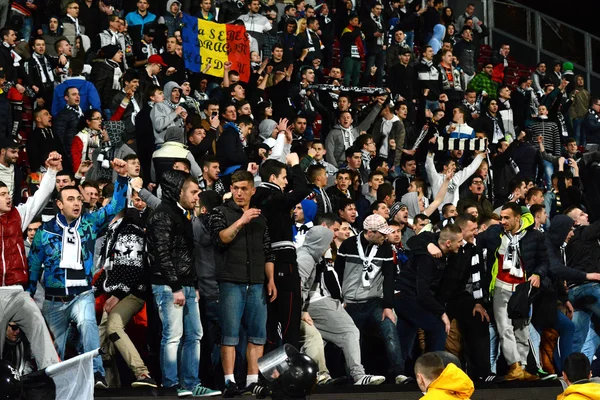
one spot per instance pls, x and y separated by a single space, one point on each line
74 378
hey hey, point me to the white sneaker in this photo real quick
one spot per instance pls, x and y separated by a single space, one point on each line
403 379
370 380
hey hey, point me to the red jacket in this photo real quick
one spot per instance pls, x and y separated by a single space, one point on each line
12 250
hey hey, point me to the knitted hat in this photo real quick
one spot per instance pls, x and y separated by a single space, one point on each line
567 66
110 51
395 208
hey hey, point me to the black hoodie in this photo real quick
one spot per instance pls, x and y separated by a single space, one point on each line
560 227
170 237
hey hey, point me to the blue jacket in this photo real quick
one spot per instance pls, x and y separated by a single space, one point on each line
46 249
88 95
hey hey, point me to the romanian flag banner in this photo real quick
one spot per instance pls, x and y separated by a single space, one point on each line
206 42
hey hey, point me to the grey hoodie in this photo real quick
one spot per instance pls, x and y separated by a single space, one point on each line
163 115
316 243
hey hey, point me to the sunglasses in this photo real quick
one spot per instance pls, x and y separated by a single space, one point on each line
14 328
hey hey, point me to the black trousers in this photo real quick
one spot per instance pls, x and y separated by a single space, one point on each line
476 336
283 319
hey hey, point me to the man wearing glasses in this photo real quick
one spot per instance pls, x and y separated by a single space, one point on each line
70 22
476 196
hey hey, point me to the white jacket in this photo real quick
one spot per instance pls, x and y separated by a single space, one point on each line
436 179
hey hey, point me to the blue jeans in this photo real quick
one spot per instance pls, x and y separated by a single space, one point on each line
432 105
566 330
243 305
412 316
548 171
410 39
494 353
179 358
586 299
577 132
81 311
370 313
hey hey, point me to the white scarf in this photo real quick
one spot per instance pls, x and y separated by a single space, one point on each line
497 131
379 28
369 269
114 37
43 71
136 108
76 22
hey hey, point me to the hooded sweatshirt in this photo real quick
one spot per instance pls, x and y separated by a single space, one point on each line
439 31
452 383
309 207
556 244
172 150
316 243
581 390
163 115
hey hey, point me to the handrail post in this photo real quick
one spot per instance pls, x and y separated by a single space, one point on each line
488 6
538 35
588 60
528 26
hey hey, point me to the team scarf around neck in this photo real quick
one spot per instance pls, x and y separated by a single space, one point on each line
46 73
70 256
512 262
369 269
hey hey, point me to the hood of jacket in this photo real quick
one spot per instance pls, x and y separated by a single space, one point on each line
560 227
316 242
585 390
309 207
170 3
439 31
169 86
172 183
175 134
527 220
453 383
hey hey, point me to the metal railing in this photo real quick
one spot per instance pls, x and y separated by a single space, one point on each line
535 37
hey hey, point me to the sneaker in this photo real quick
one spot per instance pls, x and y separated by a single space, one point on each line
99 381
231 390
201 391
370 380
529 377
515 372
492 378
144 380
336 381
323 378
403 380
256 389
545 376
181 392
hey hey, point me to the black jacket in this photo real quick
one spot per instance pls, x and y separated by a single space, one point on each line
302 42
369 27
102 77
205 262
40 143
170 237
243 259
421 277
230 149
555 238
277 207
117 98
66 127
583 250
402 81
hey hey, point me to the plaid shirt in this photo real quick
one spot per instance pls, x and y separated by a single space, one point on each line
483 81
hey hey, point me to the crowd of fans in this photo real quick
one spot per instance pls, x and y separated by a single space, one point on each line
375 171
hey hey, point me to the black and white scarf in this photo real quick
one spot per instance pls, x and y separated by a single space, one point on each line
117 73
372 91
16 58
595 114
449 144
497 131
43 65
347 136
475 280
366 159
70 256
76 23
512 260
75 110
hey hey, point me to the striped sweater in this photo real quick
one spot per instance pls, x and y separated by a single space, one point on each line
549 130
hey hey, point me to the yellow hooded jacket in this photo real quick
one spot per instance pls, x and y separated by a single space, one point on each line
581 391
453 383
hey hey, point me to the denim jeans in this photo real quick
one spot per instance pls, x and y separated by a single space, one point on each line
548 171
577 132
370 313
566 330
179 358
81 311
586 299
494 354
432 105
245 305
410 39
412 316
